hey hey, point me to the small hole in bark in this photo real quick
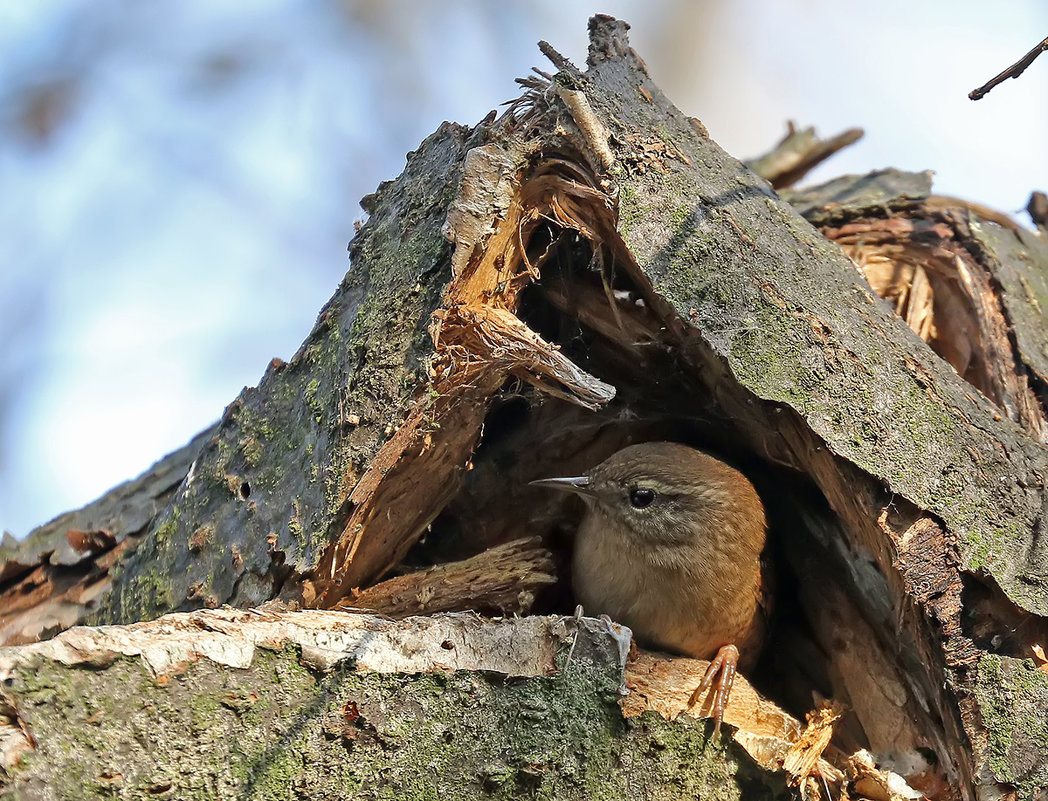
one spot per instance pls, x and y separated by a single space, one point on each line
245 490
996 624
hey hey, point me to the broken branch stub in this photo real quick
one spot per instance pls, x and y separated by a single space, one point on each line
799 152
945 268
54 578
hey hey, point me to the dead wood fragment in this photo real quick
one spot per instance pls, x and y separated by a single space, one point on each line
775 739
946 203
560 61
53 578
1039 658
592 129
920 263
487 338
501 580
664 684
848 196
799 152
803 758
232 637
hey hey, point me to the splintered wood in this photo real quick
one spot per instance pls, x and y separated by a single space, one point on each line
52 579
479 343
804 756
946 297
487 338
772 737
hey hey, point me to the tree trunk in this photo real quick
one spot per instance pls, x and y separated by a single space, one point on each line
588 270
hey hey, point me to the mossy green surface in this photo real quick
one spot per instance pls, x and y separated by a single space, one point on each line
1013 697
278 730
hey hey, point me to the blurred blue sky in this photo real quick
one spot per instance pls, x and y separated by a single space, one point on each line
180 177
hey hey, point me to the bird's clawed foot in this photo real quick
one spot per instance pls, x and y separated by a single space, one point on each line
722 668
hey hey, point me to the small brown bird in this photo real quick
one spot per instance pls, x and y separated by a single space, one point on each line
671 547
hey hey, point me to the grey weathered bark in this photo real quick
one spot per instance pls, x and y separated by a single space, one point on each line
591 269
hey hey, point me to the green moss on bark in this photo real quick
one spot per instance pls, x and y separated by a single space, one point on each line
796 325
287 452
1013 697
278 730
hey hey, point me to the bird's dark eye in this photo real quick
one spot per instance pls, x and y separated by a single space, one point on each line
641 497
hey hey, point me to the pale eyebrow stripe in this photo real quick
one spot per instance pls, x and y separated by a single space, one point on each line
706 493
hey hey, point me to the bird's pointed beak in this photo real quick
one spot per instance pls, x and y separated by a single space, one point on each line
580 485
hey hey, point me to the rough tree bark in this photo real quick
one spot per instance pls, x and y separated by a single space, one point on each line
587 270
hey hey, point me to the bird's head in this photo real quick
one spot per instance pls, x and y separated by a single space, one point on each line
666 493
